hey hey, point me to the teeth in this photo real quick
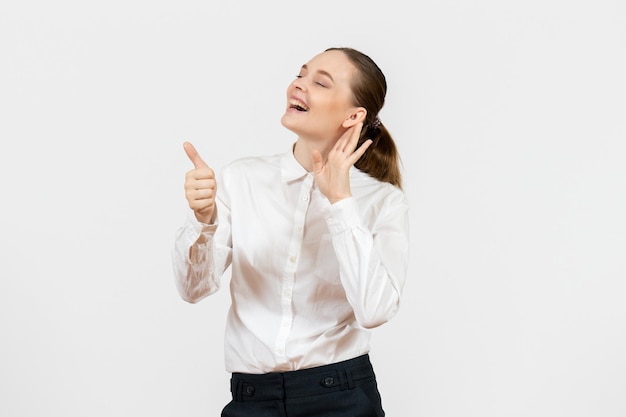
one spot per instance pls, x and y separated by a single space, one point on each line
298 105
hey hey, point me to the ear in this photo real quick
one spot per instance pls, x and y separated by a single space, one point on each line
355 116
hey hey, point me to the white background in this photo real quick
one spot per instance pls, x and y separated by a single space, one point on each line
511 121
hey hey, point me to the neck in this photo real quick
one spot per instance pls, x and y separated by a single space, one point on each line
303 149
305 145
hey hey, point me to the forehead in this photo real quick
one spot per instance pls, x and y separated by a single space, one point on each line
336 63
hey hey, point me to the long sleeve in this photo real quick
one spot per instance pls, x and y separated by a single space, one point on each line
372 260
201 254
193 261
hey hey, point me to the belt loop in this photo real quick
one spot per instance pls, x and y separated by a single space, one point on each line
345 378
348 372
239 390
341 375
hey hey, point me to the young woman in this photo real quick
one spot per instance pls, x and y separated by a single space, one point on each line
317 242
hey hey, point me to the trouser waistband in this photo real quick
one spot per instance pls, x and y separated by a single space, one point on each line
305 382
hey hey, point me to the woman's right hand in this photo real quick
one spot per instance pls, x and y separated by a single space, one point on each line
200 187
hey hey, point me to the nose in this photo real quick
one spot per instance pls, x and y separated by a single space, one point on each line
298 84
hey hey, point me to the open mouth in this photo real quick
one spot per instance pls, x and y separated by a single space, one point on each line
298 105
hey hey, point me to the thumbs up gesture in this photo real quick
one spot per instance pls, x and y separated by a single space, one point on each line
200 187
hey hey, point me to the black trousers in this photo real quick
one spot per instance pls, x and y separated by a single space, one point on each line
343 389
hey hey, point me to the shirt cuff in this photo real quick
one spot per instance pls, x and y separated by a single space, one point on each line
343 215
196 228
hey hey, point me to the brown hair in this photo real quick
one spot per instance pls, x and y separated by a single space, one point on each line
381 160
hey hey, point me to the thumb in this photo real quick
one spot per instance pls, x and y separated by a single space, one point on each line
194 156
318 162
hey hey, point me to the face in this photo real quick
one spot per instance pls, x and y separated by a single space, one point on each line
319 101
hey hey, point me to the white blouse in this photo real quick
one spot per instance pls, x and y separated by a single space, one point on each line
308 278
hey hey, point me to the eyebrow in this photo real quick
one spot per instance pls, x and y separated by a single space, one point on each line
322 72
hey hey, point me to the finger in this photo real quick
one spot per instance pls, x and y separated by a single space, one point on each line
201 206
354 137
193 155
200 184
341 143
359 152
200 195
200 174
350 138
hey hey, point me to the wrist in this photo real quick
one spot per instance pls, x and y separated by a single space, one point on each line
205 218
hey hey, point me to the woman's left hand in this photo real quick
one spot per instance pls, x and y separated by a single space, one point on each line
333 175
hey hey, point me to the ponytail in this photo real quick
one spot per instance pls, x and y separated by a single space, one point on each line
381 160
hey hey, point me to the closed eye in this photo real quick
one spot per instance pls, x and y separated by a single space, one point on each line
316 82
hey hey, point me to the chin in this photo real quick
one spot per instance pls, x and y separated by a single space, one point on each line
289 123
